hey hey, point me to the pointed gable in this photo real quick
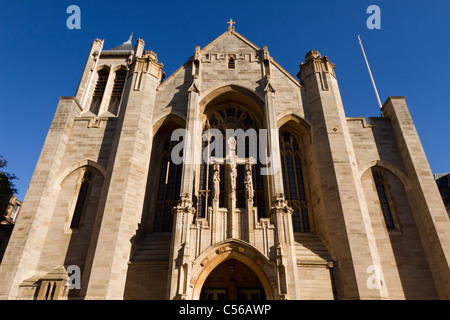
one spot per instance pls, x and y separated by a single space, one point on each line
230 59
230 42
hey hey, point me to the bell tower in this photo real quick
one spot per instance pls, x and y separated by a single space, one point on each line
346 209
128 177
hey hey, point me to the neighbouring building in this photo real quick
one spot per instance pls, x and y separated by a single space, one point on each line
353 212
11 212
443 183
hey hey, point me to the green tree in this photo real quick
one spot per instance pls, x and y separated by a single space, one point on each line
7 187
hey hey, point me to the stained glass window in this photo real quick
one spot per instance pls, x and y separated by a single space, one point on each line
81 199
168 194
383 197
294 187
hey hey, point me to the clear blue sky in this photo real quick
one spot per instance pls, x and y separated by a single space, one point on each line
410 56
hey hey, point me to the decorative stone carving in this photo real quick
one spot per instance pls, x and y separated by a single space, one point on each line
216 182
195 85
185 201
280 204
204 262
231 24
243 56
232 146
232 161
233 176
94 122
249 191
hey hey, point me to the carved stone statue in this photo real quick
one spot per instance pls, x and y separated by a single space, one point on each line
233 176
249 185
231 159
216 183
231 148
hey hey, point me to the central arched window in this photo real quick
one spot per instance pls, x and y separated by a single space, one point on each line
223 118
294 186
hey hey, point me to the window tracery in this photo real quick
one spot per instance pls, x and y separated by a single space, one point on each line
293 180
223 119
384 198
168 193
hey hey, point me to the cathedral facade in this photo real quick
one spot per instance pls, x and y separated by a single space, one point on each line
229 180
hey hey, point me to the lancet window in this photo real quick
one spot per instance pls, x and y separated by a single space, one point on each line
293 180
169 184
384 198
81 199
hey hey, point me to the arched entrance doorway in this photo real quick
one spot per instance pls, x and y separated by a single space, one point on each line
232 280
248 267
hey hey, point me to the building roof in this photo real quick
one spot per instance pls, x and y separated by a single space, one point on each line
123 48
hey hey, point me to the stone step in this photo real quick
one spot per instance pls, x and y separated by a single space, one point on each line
153 247
309 247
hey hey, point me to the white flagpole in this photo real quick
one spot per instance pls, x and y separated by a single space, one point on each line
370 73
86 93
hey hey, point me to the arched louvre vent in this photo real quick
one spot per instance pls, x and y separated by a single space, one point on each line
116 94
99 90
231 63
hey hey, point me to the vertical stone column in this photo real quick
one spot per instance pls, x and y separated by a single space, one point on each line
351 235
273 144
281 213
233 226
183 214
428 209
249 196
288 284
25 245
88 70
125 198
213 218
179 266
193 141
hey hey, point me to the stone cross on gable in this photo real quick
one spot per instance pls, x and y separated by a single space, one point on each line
231 24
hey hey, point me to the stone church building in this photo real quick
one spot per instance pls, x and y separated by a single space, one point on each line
352 213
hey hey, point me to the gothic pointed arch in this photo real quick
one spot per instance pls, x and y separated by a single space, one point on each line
164 180
231 112
72 225
386 188
120 75
171 119
387 166
295 177
79 191
232 92
238 250
99 89
296 123
79 164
